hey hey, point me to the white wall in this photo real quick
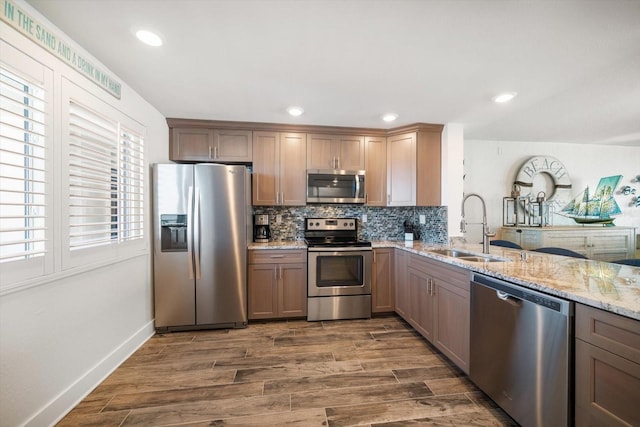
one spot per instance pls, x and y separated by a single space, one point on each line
61 336
452 174
491 168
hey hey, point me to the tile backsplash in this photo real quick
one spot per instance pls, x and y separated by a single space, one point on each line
383 223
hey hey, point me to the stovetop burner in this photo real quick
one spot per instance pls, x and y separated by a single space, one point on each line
333 232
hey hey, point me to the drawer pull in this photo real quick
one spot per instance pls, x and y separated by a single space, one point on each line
277 256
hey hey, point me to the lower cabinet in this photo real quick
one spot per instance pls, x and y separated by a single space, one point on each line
277 284
401 284
607 368
437 304
382 289
421 303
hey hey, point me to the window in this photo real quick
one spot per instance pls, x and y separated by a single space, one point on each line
72 181
131 182
23 231
106 180
93 166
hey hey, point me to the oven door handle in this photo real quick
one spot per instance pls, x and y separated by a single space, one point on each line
340 249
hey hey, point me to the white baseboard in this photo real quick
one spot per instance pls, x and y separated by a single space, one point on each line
55 410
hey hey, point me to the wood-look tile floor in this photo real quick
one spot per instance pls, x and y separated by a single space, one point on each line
376 372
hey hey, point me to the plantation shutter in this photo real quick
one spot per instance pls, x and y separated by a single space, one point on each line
93 178
23 152
131 188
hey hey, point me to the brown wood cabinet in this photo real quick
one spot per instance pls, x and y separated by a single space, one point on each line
414 167
439 306
277 284
376 170
421 302
403 165
382 289
429 169
335 152
210 145
401 170
279 171
607 368
401 284
599 243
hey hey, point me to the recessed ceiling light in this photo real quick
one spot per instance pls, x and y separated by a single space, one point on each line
295 111
389 117
504 97
149 38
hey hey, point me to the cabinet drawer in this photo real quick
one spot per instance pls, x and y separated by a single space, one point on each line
612 332
268 256
439 270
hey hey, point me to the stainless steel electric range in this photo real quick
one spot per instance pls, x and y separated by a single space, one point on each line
339 270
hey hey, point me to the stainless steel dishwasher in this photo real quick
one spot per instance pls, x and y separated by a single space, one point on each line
521 351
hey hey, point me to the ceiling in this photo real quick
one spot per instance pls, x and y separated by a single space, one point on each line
574 63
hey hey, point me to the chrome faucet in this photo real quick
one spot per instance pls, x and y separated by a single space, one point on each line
485 229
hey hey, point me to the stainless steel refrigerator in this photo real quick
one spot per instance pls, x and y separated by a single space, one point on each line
202 224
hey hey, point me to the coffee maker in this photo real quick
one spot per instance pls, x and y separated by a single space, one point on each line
261 231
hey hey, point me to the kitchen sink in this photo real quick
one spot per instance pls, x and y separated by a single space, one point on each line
466 256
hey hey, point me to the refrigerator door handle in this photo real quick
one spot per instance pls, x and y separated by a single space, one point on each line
190 232
196 232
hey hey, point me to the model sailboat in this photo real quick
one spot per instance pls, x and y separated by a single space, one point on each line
598 208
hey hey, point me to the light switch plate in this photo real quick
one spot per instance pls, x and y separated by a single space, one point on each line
423 219
364 218
278 219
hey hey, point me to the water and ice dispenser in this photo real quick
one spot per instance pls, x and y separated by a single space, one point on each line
174 233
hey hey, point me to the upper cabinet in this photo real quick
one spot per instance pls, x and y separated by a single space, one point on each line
414 167
191 144
402 165
232 146
376 170
279 172
335 152
401 170
429 166
210 145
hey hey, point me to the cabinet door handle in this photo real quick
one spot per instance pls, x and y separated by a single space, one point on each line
209 151
282 198
388 198
215 152
277 197
280 268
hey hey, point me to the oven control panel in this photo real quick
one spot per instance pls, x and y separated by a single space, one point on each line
322 224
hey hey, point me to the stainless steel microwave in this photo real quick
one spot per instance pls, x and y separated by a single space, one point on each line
335 186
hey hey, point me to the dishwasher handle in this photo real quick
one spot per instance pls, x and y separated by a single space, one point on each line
516 295
517 302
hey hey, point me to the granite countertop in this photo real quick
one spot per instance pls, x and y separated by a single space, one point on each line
285 244
611 287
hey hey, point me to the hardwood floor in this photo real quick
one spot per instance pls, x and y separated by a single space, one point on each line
375 372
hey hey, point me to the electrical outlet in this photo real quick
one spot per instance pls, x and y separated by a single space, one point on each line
364 218
423 219
278 219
